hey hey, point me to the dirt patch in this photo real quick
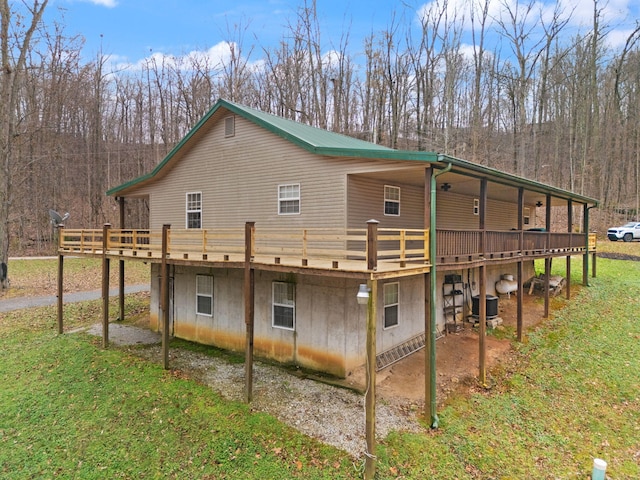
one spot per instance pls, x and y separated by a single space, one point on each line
618 256
120 334
457 358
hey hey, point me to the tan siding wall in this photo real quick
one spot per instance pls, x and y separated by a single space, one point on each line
239 177
365 200
455 212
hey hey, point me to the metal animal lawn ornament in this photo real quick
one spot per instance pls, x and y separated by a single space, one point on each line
57 220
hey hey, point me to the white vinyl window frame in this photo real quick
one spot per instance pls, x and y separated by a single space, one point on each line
476 206
391 301
193 210
283 305
526 215
204 295
289 199
391 201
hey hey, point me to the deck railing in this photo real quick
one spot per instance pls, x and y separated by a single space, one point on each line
399 246
393 245
465 245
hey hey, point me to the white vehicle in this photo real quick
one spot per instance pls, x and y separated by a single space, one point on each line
627 232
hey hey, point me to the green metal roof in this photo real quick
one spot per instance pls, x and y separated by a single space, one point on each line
323 142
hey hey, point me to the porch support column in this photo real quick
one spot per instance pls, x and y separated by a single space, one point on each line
547 259
520 280
105 285
164 295
430 398
60 285
248 293
585 257
482 313
121 264
370 396
428 287
483 286
370 399
570 230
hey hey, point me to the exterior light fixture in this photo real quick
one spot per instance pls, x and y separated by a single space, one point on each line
538 203
363 294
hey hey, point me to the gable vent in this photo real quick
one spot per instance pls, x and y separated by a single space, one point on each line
229 126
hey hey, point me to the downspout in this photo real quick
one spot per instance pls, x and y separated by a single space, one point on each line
432 306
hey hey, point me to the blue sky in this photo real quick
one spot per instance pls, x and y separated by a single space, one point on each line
132 30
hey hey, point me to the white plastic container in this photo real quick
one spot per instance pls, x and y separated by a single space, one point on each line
599 469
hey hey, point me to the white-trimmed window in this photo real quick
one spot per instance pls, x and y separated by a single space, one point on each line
391 200
289 199
526 215
284 305
476 206
204 295
194 210
391 304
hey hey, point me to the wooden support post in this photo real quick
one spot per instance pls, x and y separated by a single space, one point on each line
164 295
121 270
370 399
520 292
60 294
248 293
547 277
593 264
482 313
520 300
105 285
483 216
568 269
428 387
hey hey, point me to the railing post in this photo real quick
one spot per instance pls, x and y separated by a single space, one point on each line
425 246
305 239
372 244
403 247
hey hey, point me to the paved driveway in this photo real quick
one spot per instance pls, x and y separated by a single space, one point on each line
18 303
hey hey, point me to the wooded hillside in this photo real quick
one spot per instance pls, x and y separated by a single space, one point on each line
541 103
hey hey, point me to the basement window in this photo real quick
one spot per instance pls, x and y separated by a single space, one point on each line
284 305
204 295
391 304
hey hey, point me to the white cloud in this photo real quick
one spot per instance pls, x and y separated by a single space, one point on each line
103 3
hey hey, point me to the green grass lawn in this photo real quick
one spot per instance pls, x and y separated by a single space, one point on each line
571 392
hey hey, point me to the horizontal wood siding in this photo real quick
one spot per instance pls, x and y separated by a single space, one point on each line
239 178
365 201
455 212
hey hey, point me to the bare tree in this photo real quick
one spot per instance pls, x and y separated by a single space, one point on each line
15 44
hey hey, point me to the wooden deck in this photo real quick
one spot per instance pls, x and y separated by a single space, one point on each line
395 252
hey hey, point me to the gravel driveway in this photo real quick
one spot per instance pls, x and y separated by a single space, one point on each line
333 415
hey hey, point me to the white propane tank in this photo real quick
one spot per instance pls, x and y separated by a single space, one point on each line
506 284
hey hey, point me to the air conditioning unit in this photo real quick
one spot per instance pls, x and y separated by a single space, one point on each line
492 306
